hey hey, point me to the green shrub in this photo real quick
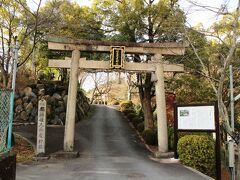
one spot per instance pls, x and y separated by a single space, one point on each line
140 127
128 111
197 151
170 138
140 118
155 115
182 134
150 136
139 111
131 116
126 105
136 121
115 103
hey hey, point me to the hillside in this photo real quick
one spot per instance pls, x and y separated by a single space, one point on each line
118 92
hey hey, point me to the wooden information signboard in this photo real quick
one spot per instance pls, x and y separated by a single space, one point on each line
41 128
198 118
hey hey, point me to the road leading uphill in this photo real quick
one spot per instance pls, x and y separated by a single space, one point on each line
109 150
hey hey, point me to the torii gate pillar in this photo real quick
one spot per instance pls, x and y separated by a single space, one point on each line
71 103
161 105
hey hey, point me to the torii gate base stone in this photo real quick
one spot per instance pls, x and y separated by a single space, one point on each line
157 66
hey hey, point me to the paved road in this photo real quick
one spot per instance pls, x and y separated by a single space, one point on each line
109 150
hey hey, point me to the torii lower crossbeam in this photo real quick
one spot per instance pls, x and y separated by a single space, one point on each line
89 65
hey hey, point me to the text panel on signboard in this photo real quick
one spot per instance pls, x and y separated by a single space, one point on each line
196 118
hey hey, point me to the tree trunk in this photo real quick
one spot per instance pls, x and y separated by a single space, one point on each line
129 95
145 98
147 109
92 98
140 88
147 106
119 78
4 78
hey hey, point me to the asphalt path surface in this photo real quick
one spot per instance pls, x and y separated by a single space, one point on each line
109 150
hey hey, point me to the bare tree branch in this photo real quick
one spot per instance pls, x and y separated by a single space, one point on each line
35 35
219 11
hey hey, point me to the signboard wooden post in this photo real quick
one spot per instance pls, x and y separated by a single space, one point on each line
41 127
198 118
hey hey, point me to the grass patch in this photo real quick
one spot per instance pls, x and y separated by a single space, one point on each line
23 149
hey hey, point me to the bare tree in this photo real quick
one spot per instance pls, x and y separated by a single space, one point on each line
101 86
131 85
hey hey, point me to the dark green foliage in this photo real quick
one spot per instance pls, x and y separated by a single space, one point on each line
190 89
115 103
197 151
150 136
128 111
126 105
140 127
170 138
182 134
139 111
136 121
131 116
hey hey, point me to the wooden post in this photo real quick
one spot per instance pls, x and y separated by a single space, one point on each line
161 105
71 103
217 145
175 131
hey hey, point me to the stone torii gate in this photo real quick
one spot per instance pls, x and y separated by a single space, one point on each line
156 65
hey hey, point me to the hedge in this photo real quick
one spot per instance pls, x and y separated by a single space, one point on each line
198 152
150 136
140 127
126 105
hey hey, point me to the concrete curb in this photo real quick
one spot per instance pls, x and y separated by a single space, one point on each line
41 158
166 161
65 155
198 172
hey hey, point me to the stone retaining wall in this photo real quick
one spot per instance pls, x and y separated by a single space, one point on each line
26 103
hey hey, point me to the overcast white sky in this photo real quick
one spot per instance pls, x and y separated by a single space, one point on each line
195 15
